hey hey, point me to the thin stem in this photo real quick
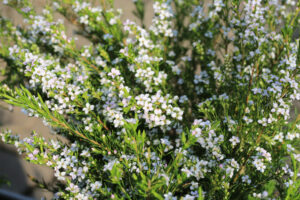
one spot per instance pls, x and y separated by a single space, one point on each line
64 125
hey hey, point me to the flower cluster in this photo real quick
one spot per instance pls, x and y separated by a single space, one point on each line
197 106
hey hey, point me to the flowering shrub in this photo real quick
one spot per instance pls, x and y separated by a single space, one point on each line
196 106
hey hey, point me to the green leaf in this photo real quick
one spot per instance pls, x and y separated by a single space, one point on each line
134 176
298 53
200 197
183 138
158 196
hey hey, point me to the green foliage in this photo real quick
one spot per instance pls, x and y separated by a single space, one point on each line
194 107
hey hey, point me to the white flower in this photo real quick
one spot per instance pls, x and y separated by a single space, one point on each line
110 165
246 179
289 183
84 19
107 36
114 72
279 137
290 136
169 196
189 197
259 165
88 108
197 132
234 140
95 186
113 21
186 171
229 171
86 53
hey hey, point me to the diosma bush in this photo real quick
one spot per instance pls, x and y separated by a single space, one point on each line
194 106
